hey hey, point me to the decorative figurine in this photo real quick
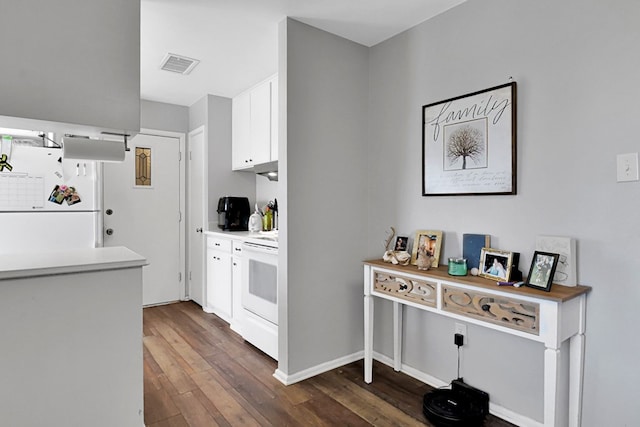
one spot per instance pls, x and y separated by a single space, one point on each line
425 259
395 257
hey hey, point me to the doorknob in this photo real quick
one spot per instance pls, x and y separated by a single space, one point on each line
109 231
109 211
199 230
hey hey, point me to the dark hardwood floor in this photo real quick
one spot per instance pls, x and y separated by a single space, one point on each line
197 372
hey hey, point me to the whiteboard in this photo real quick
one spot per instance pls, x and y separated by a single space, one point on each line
37 172
21 192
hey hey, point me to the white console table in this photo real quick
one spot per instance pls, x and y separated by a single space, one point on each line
547 317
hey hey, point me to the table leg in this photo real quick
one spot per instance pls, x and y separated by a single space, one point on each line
551 383
397 336
576 372
368 338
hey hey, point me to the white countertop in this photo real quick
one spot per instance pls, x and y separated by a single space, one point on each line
265 238
33 264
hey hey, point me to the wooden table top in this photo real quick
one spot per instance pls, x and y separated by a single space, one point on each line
557 292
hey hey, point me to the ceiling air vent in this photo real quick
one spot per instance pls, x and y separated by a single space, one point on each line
178 63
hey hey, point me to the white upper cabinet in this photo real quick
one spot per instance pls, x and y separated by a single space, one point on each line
241 132
274 118
261 123
255 126
72 62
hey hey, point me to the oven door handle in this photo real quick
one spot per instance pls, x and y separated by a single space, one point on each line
259 248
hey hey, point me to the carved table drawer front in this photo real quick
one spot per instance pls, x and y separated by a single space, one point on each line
416 290
504 311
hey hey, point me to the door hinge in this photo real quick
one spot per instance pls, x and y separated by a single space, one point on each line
189 275
190 155
179 276
179 216
179 156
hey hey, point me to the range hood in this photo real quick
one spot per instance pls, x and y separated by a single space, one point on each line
269 170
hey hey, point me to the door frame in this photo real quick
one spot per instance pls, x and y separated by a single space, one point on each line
182 213
205 209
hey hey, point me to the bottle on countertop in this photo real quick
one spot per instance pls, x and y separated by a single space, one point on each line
267 220
275 214
255 220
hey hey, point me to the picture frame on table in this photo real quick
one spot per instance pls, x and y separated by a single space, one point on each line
469 144
401 243
565 247
431 240
495 264
543 267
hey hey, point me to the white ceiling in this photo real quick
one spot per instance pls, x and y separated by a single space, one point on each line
236 40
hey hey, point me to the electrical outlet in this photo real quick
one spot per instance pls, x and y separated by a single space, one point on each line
461 329
627 167
458 340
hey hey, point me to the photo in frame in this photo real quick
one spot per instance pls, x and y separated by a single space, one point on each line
543 267
495 264
565 247
431 240
469 144
401 243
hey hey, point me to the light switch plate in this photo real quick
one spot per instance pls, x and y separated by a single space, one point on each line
627 167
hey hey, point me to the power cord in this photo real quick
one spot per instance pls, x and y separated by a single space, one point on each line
458 340
458 362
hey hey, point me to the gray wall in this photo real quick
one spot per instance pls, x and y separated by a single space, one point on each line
265 190
324 162
71 62
215 113
576 64
161 116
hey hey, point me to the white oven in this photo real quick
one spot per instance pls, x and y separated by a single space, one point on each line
260 296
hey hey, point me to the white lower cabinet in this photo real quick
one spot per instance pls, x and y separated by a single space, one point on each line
228 262
224 281
237 320
219 295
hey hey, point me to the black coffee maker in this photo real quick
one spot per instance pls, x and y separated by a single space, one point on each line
233 213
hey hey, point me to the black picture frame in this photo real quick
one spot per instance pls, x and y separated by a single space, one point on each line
469 144
401 243
543 267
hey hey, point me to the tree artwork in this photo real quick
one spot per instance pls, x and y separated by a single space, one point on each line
465 142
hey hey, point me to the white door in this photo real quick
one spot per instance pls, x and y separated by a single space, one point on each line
144 215
197 213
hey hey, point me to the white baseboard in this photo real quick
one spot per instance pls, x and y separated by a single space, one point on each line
236 328
412 372
316 370
497 410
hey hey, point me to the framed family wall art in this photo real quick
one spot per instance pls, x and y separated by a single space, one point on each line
469 144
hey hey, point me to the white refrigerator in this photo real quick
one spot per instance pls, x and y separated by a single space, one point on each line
47 203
